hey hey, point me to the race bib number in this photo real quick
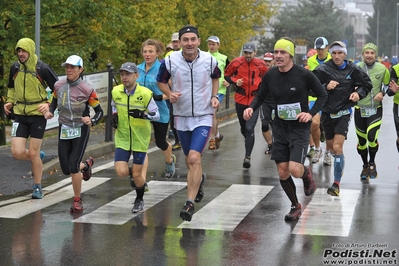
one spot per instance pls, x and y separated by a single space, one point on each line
288 111
70 132
340 113
367 111
14 129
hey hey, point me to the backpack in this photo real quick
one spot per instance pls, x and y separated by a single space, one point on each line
39 63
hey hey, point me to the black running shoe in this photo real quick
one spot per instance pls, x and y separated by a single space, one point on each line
187 212
333 190
309 186
294 213
138 206
87 172
247 162
200 193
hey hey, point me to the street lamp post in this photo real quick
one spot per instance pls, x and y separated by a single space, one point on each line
397 28
378 25
37 28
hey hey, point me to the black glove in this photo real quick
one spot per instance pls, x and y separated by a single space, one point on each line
114 120
136 113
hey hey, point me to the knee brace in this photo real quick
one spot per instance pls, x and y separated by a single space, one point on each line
362 151
375 148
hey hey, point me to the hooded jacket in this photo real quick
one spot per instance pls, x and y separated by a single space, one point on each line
351 79
25 91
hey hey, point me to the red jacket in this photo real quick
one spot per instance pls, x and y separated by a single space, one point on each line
252 74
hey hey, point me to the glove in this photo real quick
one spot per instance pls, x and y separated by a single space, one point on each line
114 120
149 115
136 113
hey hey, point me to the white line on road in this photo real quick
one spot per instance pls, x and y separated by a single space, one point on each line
328 216
227 210
119 211
26 207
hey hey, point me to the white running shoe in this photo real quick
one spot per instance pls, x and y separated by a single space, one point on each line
327 158
317 155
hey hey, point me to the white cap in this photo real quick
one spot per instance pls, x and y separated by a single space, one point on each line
214 39
175 36
73 60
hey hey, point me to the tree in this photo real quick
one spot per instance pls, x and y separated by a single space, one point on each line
309 20
385 16
113 30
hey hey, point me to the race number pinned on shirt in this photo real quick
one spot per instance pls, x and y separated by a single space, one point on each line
367 111
340 113
70 132
288 111
14 129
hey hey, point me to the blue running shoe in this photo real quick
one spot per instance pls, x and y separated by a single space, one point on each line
37 193
170 167
42 155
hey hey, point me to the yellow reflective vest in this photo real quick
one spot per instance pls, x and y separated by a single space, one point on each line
132 134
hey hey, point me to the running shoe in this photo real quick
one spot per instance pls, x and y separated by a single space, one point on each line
269 149
327 158
373 171
365 174
187 212
218 140
322 136
310 153
247 162
200 193
170 135
37 192
295 213
77 205
176 147
138 206
170 167
309 186
87 170
333 190
212 144
317 155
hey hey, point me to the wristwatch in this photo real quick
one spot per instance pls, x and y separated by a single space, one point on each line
215 96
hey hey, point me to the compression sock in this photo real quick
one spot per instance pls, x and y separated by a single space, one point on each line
140 192
339 163
290 189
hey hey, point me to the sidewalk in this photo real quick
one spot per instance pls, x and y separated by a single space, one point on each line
97 147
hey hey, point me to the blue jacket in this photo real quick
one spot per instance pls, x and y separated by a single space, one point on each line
149 80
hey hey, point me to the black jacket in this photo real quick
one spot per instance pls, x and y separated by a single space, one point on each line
351 79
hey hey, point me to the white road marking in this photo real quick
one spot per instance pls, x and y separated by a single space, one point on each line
29 205
119 211
227 210
328 216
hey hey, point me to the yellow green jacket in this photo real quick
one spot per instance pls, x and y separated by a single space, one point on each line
379 76
25 91
132 134
313 63
395 69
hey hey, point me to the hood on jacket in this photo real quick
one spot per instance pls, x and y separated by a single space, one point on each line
28 45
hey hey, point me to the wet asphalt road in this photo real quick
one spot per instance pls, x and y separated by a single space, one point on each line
358 228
